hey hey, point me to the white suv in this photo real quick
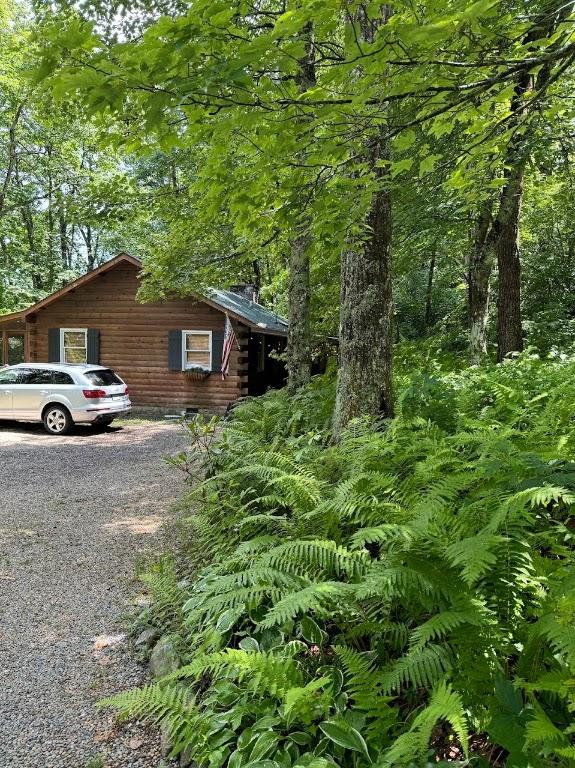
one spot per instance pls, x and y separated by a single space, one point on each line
62 395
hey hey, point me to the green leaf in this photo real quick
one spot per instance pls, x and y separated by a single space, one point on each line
226 621
405 140
311 631
336 676
341 733
508 695
264 745
300 737
428 164
249 644
399 166
505 730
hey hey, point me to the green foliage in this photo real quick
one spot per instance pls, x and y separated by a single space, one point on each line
403 597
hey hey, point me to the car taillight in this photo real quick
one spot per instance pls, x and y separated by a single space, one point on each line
93 394
127 391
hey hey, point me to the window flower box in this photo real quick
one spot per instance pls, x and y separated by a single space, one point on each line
197 373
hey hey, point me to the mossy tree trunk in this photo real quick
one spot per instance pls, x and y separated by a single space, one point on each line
481 261
299 352
509 333
364 382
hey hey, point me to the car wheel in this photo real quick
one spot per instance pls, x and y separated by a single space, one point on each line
57 420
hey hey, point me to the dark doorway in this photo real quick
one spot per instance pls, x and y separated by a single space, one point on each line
265 370
11 348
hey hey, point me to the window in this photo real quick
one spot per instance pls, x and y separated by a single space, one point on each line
40 376
73 345
104 378
197 350
9 377
59 377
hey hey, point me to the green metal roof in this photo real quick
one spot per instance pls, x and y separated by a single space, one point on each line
253 314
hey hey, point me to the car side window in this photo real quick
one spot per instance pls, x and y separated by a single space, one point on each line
59 377
23 375
8 377
39 376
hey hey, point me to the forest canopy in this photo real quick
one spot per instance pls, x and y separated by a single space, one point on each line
383 171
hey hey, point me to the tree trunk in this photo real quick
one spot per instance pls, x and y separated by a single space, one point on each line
36 274
364 384
299 341
506 224
509 335
481 260
63 234
88 242
429 291
11 157
50 218
299 293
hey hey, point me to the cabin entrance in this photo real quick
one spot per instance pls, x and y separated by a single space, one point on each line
265 370
11 348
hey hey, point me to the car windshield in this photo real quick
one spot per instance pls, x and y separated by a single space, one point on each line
105 378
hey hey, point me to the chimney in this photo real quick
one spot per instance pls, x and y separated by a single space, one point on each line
247 290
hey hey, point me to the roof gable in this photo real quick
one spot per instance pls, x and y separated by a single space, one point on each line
75 284
258 318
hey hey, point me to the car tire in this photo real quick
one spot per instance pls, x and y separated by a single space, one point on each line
57 420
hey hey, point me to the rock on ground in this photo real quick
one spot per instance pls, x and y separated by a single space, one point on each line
77 515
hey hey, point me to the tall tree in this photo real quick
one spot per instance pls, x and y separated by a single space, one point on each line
529 89
299 351
364 384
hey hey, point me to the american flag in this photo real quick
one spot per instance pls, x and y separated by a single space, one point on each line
229 341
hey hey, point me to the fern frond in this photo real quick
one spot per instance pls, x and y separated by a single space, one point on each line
158 703
420 667
321 599
444 705
442 624
387 533
312 557
266 672
475 555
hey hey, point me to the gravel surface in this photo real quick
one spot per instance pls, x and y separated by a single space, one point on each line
77 514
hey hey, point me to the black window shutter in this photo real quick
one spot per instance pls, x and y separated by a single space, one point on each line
93 348
217 347
175 350
53 345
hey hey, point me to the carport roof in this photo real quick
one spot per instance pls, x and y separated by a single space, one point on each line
258 318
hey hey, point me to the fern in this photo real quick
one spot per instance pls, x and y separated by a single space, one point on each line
421 667
271 673
444 704
321 598
411 581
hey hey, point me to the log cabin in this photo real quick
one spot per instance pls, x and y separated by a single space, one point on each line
168 352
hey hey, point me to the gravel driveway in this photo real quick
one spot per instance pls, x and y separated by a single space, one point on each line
77 513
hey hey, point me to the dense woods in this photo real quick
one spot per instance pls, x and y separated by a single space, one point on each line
393 576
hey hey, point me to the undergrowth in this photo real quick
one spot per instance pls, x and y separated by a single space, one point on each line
405 597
